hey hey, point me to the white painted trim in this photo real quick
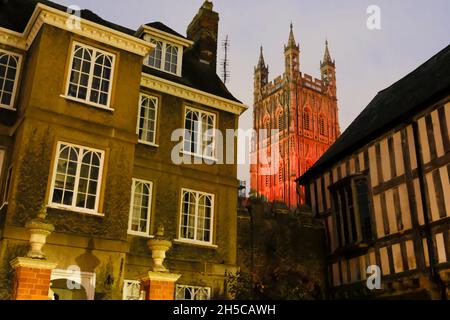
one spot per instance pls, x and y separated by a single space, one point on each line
72 207
47 15
211 230
150 143
164 35
91 76
149 209
191 94
87 279
16 80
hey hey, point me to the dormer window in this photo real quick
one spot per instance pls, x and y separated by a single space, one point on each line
166 56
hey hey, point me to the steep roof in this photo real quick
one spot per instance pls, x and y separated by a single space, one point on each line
14 15
427 84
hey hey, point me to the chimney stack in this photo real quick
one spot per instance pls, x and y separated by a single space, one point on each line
203 31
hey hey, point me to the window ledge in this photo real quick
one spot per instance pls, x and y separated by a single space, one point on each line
151 144
76 210
195 243
142 235
8 108
99 106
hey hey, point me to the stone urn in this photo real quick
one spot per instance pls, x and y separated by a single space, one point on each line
39 229
159 247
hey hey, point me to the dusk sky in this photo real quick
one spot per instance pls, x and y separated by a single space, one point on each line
367 61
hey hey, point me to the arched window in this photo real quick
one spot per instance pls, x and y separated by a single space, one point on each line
171 60
281 122
9 65
307 119
322 124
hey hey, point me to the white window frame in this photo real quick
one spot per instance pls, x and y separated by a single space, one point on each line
194 289
148 38
211 230
148 96
91 76
199 152
126 295
149 209
77 178
16 80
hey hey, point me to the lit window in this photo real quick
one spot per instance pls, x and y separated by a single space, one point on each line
199 136
148 111
91 75
132 290
197 210
140 208
9 72
77 178
184 292
322 125
165 56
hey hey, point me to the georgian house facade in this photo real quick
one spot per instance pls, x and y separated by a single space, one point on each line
383 191
87 112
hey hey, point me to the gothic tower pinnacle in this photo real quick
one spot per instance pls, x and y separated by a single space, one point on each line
292 54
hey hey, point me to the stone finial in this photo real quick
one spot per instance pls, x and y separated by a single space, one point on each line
39 230
159 246
42 214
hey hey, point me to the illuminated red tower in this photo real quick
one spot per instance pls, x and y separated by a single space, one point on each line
306 113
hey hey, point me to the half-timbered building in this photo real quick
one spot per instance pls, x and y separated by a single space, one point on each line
383 191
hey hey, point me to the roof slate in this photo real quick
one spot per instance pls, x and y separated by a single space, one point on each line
427 84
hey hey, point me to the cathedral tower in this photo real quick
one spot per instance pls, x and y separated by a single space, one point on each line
305 112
